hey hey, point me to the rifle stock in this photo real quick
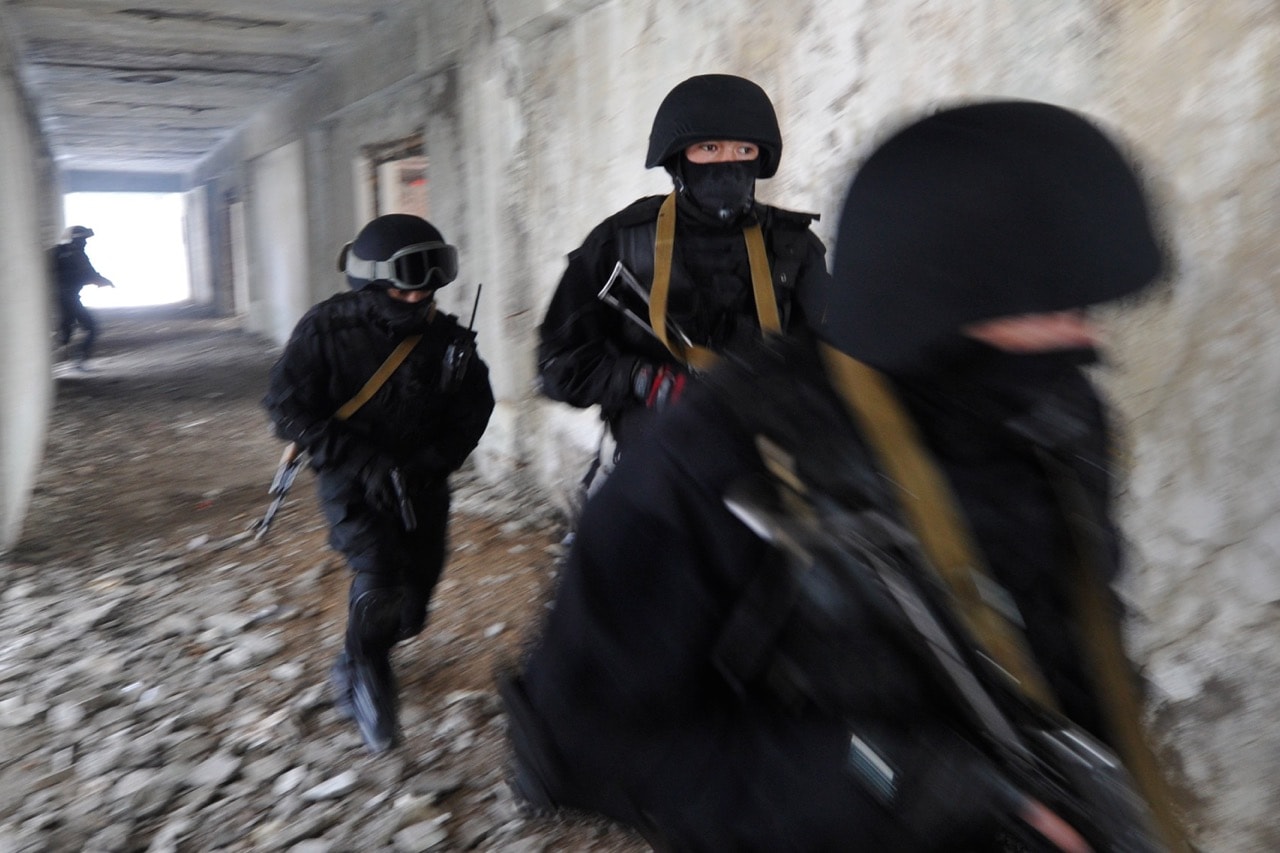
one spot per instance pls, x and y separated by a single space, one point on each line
1038 752
608 297
286 472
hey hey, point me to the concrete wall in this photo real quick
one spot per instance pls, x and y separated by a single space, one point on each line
196 230
27 227
278 242
1199 378
535 115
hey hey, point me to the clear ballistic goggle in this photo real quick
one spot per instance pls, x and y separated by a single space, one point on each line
422 265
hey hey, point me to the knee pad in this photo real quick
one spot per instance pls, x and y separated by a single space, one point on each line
373 621
413 616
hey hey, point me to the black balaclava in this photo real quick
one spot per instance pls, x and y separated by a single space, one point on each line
399 317
989 417
725 191
978 212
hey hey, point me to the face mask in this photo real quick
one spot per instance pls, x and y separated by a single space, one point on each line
400 316
724 190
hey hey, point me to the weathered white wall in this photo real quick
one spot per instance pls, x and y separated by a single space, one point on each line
26 390
1199 378
536 114
278 239
196 230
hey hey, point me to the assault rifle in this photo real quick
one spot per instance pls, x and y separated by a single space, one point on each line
1037 752
290 461
624 276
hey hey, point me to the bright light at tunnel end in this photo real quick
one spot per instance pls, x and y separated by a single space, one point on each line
138 243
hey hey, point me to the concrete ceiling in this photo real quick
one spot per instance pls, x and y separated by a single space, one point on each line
154 86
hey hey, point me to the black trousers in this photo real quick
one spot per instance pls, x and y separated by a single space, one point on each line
380 552
71 312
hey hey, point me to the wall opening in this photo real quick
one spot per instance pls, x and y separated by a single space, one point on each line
139 243
394 175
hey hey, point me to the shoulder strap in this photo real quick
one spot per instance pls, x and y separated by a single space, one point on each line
699 357
931 511
1111 670
929 508
635 248
376 381
380 376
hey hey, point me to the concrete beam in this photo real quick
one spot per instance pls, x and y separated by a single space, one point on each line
77 181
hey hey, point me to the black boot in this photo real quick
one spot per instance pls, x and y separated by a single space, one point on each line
372 626
340 683
536 766
373 701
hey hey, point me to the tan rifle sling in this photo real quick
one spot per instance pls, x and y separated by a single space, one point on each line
929 508
382 374
1104 647
931 511
376 381
699 357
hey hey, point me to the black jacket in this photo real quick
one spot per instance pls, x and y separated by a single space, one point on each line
588 351
643 699
72 269
411 421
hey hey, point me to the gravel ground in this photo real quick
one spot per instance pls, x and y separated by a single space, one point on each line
162 675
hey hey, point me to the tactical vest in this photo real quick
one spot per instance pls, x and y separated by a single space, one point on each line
786 240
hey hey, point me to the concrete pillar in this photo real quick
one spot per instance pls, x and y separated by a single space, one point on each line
196 232
278 288
26 390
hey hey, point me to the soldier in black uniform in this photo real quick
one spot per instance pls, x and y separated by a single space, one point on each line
698 680
383 470
716 135
72 270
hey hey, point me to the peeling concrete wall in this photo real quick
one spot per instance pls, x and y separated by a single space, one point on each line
536 113
27 227
279 290
1199 378
196 231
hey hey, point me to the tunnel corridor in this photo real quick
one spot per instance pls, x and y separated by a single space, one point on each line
165 672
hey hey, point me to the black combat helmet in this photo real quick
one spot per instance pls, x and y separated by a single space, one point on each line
76 232
983 211
399 250
715 106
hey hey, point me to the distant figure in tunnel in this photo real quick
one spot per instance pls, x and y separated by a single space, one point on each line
711 266
71 272
388 397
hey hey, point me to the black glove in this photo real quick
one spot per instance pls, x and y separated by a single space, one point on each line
379 490
658 385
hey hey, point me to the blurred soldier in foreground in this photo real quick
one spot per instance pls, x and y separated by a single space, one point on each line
386 395
72 270
854 592
659 287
